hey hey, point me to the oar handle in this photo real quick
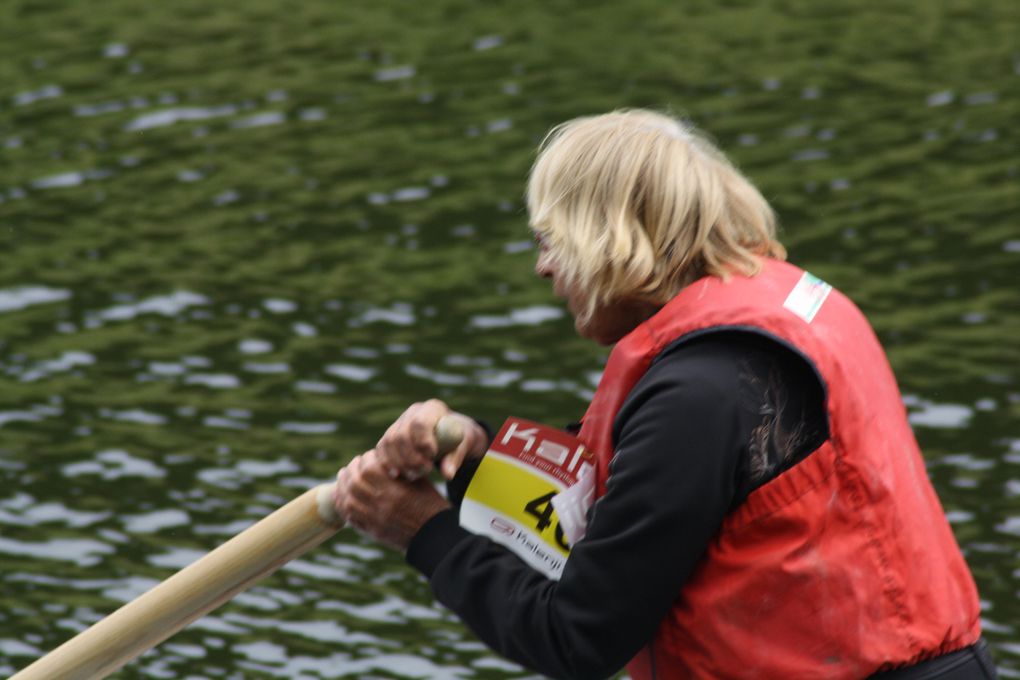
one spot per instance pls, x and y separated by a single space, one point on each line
212 580
449 434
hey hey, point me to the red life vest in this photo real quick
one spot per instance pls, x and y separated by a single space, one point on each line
841 566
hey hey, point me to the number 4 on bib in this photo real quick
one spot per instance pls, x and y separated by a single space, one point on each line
531 493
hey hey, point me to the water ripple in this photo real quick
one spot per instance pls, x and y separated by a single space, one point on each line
135 415
436 377
487 42
83 552
165 305
32 96
307 428
114 464
351 372
155 521
524 316
395 73
62 364
13 299
166 117
53 512
217 381
398 314
32 415
927 413
261 120
69 179
254 346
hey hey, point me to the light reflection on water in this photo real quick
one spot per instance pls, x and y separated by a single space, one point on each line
228 265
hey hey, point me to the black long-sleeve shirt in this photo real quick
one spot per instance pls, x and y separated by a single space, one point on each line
711 420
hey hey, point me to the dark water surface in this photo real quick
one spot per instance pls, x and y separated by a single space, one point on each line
236 242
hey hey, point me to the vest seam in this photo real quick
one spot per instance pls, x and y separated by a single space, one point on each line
892 590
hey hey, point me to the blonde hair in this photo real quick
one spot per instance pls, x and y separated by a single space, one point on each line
635 205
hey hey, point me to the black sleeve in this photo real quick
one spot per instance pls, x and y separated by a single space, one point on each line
682 437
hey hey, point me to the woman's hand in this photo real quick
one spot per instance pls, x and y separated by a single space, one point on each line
409 447
389 510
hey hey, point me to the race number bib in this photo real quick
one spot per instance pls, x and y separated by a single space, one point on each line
531 493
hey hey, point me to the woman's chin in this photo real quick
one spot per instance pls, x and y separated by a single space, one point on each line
601 336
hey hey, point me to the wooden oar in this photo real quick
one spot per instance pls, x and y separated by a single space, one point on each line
196 590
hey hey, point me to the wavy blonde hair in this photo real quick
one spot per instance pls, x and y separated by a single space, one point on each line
635 205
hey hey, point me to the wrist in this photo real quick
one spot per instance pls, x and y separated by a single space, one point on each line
434 541
421 513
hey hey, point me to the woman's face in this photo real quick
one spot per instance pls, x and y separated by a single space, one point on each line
609 322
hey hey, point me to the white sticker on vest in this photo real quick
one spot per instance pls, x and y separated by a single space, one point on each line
807 296
510 497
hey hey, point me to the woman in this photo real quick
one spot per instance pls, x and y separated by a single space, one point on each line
762 507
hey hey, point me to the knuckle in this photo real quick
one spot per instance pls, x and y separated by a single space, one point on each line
417 429
343 504
437 407
386 440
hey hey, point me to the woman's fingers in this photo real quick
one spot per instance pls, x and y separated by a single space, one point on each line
422 434
390 510
408 448
344 500
392 447
452 461
473 444
358 487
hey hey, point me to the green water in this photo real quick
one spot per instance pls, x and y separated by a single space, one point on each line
236 241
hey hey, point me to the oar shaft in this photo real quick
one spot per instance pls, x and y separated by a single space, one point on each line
196 590
192 592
